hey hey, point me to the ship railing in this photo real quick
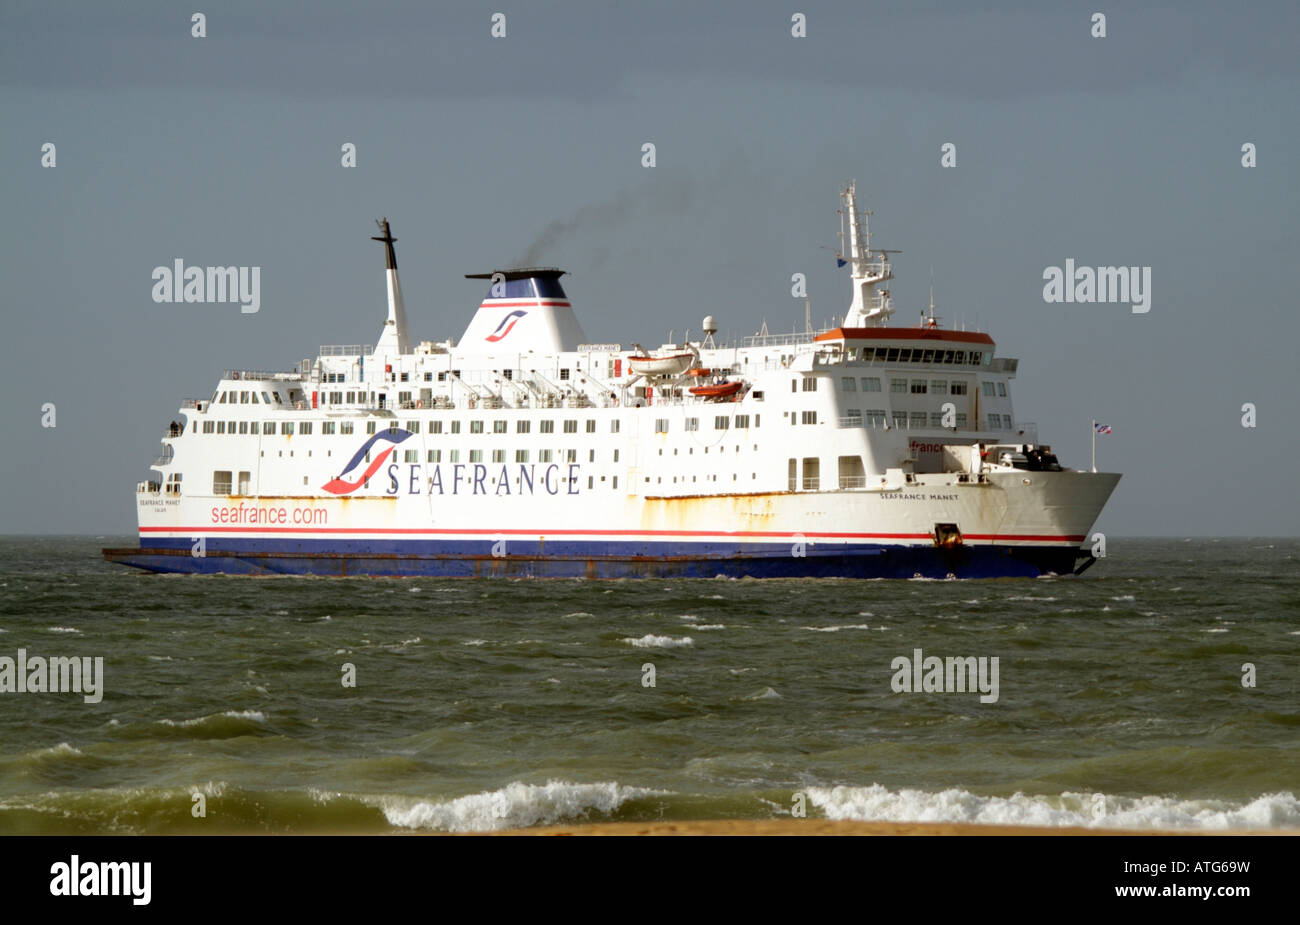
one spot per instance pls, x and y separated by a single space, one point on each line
198 404
346 350
259 374
873 423
853 481
781 340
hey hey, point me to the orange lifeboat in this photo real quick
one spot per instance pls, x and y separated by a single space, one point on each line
699 371
716 390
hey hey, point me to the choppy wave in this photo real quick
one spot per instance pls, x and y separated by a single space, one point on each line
650 641
1090 810
517 805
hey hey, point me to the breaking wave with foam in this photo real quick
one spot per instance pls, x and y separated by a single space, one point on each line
1088 810
517 805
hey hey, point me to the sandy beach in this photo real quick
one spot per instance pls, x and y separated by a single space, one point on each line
834 827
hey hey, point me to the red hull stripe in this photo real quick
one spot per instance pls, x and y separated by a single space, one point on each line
421 531
520 303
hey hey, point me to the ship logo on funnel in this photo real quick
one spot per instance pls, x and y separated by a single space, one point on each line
506 326
340 486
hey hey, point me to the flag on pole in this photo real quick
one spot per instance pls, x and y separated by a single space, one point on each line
840 261
1101 428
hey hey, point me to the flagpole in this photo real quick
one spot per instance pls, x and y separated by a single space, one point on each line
1094 444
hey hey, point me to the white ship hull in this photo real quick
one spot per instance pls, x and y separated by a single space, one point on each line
1005 528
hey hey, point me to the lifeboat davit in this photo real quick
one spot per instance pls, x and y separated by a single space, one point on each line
673 365
717 389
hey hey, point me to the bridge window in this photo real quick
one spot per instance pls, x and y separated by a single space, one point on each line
897 386
957 388
871 383
918 386
849 384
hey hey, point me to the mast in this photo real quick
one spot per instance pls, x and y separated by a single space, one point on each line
867 268
394 336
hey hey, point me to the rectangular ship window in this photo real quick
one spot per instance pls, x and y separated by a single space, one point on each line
221 482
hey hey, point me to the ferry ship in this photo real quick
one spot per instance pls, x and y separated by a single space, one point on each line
866 450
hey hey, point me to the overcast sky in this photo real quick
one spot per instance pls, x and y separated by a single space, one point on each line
225 150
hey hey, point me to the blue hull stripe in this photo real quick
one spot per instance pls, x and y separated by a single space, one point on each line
592 559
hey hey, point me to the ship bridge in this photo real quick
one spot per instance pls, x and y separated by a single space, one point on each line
928 343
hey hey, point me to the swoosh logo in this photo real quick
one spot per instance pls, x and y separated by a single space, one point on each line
340 486
508 323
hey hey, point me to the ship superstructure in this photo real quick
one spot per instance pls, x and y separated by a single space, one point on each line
864 450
